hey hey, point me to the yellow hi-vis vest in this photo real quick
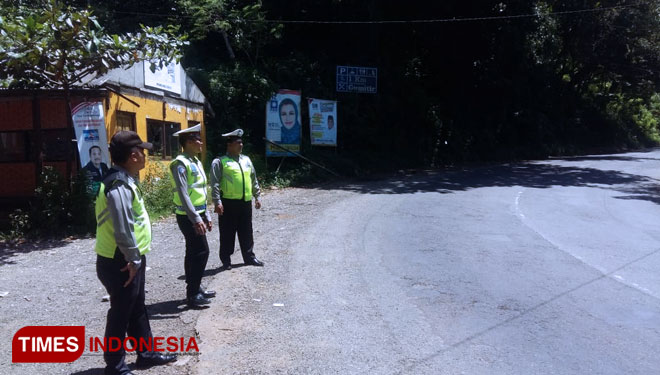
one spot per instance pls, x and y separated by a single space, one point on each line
236 182
196 185
105 232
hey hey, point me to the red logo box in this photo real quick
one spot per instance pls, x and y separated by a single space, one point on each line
48 344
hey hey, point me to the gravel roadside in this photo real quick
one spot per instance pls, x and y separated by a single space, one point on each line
55 283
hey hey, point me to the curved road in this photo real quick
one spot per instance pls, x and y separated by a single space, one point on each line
548 267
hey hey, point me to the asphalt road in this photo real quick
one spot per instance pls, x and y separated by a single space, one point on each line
548 267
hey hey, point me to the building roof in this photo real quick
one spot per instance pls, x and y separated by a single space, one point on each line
178 85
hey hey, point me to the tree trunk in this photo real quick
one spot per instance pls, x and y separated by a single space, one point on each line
230 51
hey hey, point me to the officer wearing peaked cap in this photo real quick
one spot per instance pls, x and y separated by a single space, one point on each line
193 130
238 133
233 185
123 238
189 196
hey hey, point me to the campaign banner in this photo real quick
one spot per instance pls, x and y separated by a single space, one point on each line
283 122
89 124
323 122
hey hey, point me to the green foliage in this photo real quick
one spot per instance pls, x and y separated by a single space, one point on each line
241 92
57 209
157 191
55 46
49 212
641 117
574 77
241 23
60 210
295 174
81 217
19 225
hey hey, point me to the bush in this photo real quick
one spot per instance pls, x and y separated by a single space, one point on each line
81 218
157 191
19 225
61 210
57 209
293 172
48 210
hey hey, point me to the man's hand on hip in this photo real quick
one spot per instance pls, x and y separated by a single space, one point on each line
200 228
132 271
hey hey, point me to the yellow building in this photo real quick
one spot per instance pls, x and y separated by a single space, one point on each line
153 104
35 131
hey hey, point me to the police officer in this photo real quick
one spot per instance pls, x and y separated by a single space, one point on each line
189 187
123 237
233 184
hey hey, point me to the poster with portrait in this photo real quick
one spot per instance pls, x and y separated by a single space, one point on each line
89 124
283 122
323 122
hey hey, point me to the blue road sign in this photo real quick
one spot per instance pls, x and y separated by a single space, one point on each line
357 79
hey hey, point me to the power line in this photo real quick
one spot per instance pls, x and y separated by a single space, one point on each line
439 20
462 19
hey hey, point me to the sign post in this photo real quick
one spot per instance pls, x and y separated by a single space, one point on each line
357 79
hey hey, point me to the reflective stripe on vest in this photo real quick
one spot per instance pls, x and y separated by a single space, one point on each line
236 179
105 232
196 185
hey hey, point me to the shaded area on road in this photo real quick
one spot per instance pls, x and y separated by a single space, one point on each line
93 371
8 251
167 309
605 158
645 192
532 175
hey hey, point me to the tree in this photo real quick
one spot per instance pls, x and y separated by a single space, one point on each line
56 46
241 23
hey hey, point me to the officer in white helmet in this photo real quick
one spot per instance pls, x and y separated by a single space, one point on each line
233 186
189 185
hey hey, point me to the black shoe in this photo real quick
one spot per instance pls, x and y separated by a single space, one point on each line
226 266
150 359
207 293
255 262
198 300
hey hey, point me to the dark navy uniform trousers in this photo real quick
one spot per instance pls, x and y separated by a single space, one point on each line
236 218
127 313
197 254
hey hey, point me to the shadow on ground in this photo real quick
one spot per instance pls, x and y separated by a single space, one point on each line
7 250
538 175
167 309
92 371
647 192
605 158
